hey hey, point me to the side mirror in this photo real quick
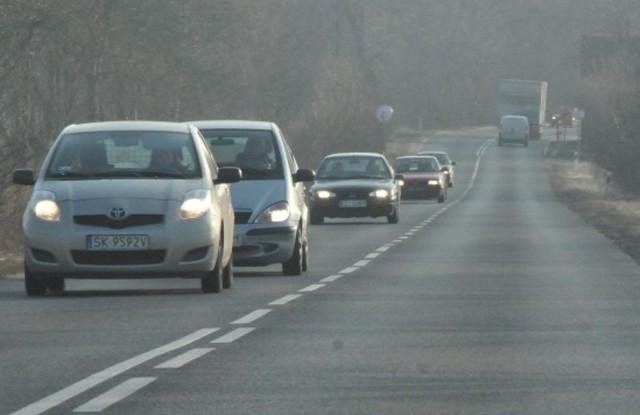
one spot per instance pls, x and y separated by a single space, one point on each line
24 177
304 175
453 163
228 175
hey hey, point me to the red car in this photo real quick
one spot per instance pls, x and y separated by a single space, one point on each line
423 177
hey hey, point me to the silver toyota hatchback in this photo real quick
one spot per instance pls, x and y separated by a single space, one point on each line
271 211
129 199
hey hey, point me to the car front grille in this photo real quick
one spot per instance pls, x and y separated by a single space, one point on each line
104 221
154 256
353 193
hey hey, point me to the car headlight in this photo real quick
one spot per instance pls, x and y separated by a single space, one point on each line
278 212
379 194
433 182
325 194
45 206
196 204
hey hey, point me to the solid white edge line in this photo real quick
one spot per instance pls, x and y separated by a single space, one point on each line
233 335
89 382
112 396
186 357
285 299
252 316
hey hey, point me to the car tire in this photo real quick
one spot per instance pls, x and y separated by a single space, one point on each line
316 219
212 281
305 256
33 283
56 285
227 274
294 265
395 216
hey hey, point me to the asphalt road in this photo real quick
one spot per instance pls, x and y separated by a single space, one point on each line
499 301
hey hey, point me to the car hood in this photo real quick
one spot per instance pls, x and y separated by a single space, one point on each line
256 195
352 184
108 189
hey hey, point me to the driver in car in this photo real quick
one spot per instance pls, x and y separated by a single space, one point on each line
254 155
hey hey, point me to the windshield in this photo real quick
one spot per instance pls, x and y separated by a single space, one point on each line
353 167
254 151
124 154
427 164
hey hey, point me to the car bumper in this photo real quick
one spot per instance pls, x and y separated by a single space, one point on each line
373 208
186 251
421 191
263 244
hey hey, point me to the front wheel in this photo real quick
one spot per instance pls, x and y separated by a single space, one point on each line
395 216
316 219
295 264
212 281
227 274
442 196
33 283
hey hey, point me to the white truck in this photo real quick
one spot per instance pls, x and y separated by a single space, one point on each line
524 97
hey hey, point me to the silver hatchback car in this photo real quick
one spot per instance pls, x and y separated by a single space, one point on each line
270 206
129 199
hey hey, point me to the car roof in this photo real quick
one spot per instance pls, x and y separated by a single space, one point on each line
519 117
416 156
354 154
427 152
127 126
233 124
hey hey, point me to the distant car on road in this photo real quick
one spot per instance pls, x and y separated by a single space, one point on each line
352 185
513 129
128 199
445 161
270 203
422 177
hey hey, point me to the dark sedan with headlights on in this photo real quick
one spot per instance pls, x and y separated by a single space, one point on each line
350 185
423 177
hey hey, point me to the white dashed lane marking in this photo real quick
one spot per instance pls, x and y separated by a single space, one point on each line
285 299
114 395
252 316
233 335
310 288
184 358
87 383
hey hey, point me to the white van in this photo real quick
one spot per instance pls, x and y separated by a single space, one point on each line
271 212
513 129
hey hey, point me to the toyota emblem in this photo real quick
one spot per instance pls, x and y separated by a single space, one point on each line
117 213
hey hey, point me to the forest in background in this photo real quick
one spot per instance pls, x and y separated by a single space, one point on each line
318 68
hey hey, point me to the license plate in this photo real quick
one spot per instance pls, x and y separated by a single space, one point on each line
117 242
352 203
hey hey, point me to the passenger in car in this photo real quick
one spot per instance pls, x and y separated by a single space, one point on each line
92 158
